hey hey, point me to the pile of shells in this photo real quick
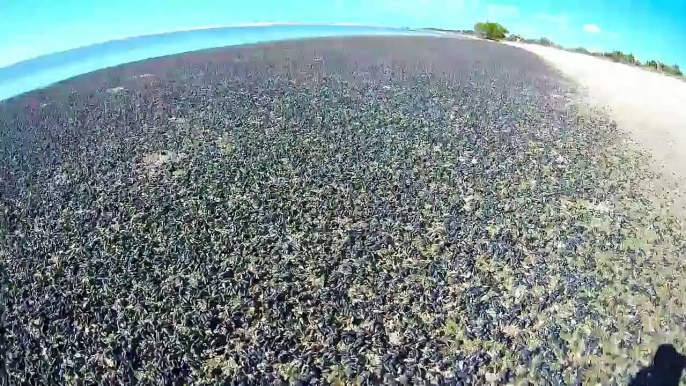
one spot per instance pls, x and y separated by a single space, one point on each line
336 211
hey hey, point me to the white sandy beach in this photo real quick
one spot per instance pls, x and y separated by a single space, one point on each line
648 105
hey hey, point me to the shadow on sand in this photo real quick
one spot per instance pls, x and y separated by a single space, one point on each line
665 369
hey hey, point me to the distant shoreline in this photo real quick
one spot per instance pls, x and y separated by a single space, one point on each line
40 72
206 28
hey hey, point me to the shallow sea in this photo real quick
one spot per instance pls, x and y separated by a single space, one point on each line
46 70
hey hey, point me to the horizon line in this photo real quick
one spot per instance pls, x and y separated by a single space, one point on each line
201 28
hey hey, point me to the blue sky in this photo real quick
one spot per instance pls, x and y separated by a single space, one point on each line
648 28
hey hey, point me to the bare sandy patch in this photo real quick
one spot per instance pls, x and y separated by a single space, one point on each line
650 106
115 90
155 160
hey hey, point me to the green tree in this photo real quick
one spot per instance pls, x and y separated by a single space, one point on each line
491 31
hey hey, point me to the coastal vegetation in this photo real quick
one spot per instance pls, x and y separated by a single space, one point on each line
495 31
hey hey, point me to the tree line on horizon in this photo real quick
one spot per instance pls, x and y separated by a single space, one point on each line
496 31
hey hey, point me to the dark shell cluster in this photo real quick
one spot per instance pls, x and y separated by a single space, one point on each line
331 211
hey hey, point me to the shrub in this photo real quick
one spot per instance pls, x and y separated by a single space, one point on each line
619 56
651 63
491 31
674 70
546 42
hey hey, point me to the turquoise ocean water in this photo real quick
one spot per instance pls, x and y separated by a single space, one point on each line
45 70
